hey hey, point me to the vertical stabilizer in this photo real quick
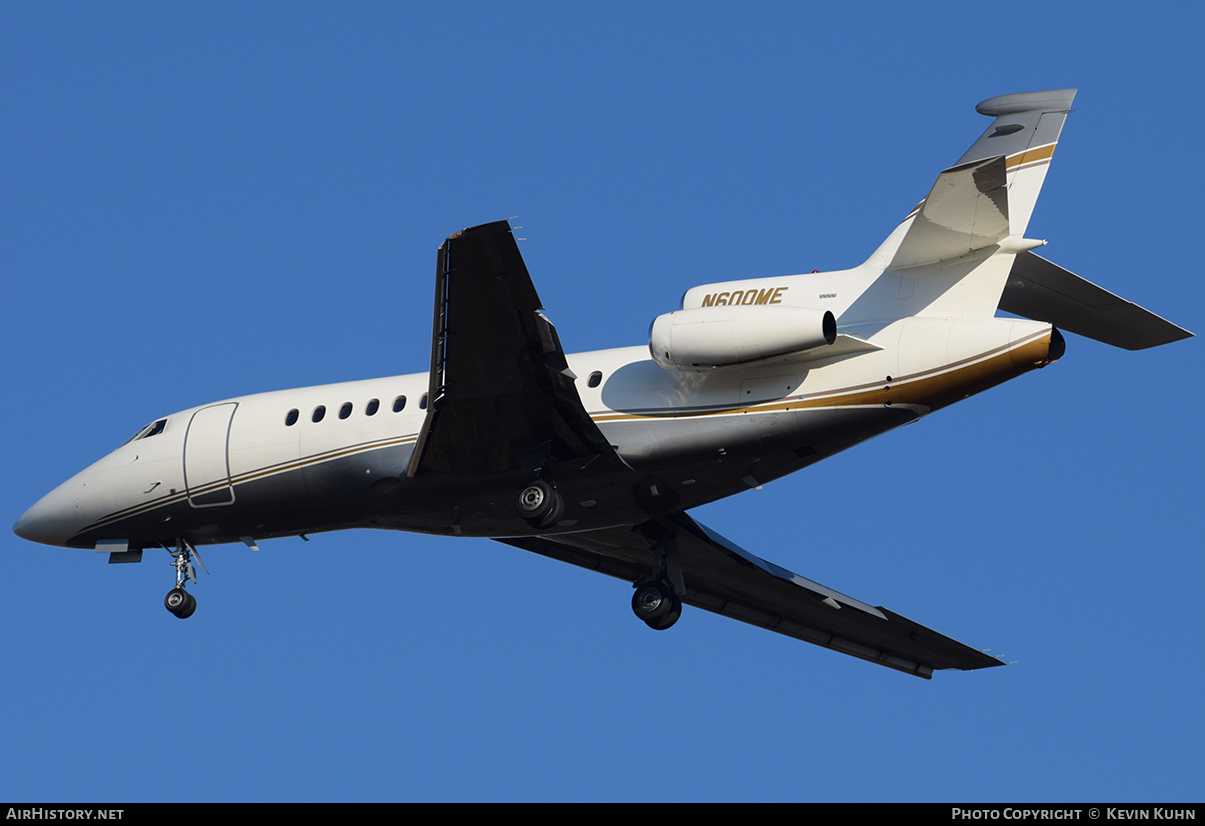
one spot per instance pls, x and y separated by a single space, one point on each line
951 256
1025 131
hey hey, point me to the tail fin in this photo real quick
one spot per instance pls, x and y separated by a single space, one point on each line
952 255
1025 131
990 193
962 251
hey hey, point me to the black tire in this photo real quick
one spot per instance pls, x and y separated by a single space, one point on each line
653 601
536 501
669 619
553 516
190 609
180 602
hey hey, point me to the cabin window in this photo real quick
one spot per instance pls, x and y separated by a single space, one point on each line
595 379
291 417
422 403
372 407
345 410
398 404
319 412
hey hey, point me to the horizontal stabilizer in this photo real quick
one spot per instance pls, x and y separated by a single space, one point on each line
1043 291
966 210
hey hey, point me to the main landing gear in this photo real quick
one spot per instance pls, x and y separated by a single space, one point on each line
540 504
657 602
178 601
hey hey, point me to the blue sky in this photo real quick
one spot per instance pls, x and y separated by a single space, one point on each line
200 202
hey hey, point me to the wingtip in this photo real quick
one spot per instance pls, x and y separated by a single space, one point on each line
481 229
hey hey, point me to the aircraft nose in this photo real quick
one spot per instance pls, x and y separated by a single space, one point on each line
51 519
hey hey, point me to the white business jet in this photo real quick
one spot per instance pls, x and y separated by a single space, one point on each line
595 458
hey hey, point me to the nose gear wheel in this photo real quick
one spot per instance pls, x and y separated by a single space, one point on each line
178 601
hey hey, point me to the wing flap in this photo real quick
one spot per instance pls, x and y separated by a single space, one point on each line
725 579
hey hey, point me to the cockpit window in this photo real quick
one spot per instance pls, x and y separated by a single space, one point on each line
152 429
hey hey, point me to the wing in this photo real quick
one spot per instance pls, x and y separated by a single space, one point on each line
501 397
718 576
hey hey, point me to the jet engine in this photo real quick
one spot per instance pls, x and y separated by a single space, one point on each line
709 338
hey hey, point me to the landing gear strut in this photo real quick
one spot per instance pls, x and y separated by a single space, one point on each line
656 601
178 601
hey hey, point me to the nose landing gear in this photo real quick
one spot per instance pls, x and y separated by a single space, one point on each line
178 601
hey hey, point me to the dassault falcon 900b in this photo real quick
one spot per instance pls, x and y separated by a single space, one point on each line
595 458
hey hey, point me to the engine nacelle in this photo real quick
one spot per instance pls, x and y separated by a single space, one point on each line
710 338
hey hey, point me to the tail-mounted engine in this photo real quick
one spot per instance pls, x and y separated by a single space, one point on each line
711 338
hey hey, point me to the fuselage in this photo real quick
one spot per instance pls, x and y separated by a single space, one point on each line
335 456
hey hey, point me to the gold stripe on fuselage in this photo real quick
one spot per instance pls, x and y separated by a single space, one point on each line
250 476
927 388
930 389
